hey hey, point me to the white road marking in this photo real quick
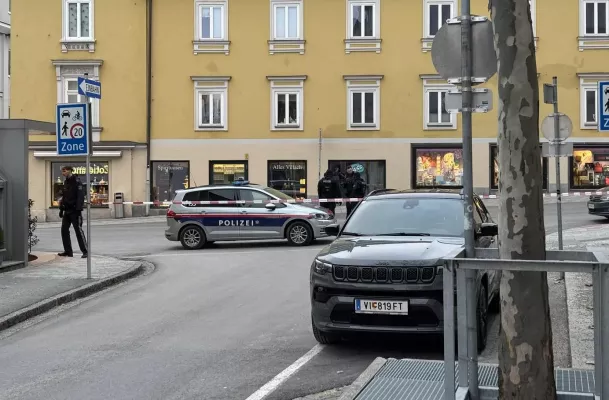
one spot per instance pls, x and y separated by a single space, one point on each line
221 253
284 375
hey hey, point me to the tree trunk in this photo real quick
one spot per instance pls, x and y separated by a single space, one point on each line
526 359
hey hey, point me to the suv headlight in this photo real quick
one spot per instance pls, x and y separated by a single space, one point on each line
321 267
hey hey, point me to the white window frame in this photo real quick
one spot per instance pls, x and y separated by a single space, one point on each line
533 5
427 124
209 85
582 18
299 19
364 84
94 102
66 21
210 45
286 85
376 20
586 84
426 13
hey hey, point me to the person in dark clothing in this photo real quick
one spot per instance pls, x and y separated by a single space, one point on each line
328 187
70 212
355 187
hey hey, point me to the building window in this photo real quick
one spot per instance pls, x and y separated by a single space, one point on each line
435 114
70 95
78 25
287 98
99 185
289 177
363 102
167 178
437 14
590 168
594 17
286 20
373 172
226 172
211 103
589 106
363 25
436 167
494 185
211 26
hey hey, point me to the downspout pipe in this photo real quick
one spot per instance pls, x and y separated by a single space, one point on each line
148 98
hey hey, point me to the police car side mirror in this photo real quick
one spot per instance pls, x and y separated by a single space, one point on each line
270 206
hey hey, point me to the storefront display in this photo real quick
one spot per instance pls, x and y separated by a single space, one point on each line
373 172
590 168
495 169
438 167
167 178
225 172
99 186
289 177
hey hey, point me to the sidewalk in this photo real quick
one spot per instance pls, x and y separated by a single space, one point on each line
579 291
51 281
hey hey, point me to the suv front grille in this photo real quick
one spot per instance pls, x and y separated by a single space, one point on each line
343 273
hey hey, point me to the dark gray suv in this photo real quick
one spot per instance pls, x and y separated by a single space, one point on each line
383 273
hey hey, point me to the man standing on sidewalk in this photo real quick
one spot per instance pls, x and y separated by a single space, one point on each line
70 212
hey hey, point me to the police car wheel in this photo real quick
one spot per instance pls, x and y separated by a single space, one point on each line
192 238
300 234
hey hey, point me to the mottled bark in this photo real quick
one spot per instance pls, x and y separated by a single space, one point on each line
525 344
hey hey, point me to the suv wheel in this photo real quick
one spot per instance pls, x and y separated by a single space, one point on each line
482 318
324 337
192 237
299 234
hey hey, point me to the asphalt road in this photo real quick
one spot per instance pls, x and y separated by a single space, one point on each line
215 324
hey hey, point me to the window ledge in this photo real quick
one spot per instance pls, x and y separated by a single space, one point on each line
211 46
590 127
77 45
363 45
427 42
286 46
211 128
363 127
593 42
287 128
440 127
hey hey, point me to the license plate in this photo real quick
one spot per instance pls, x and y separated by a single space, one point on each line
381 307
591 206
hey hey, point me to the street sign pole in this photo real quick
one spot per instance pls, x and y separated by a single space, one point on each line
557 160
85 99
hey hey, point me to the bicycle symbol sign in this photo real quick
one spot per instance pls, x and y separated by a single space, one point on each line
72 129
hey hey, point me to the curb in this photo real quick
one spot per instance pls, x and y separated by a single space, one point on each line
43 306
362 381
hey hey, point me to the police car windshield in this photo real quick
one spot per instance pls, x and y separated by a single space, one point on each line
408 217
278 194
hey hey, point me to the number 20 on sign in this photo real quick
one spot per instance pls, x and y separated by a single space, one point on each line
72 129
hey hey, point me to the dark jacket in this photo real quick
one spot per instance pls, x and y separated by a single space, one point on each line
328 187
73 195
354 185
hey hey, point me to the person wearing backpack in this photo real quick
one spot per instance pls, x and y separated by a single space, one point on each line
70 212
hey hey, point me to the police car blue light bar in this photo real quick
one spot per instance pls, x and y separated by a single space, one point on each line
240 182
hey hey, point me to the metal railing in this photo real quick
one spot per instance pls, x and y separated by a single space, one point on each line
594 262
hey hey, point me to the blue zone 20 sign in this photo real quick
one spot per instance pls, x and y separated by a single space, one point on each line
72 129
603 106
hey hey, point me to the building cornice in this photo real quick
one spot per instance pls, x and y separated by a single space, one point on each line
363 77
286 77
64 62
208 78
592 75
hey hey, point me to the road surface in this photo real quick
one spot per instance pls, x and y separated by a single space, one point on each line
216 324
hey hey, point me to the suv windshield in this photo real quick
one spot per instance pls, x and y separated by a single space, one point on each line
277 193
407 217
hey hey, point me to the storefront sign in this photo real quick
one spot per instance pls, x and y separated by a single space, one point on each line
94 169
358 168
290 166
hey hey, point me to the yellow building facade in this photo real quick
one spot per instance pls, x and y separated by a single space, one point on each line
278 91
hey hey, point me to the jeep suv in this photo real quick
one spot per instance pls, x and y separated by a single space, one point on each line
383 273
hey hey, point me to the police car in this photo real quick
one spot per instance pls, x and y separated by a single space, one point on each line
243 211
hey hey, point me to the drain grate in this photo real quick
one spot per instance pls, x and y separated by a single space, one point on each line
410 379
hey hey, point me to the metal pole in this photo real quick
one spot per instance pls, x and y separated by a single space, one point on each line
468 191
557 160
319 157
88 177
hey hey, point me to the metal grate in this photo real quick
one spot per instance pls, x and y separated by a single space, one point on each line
410 379
384 275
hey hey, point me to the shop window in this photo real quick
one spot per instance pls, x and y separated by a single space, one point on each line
590 168
373 172
226 172
438 167
289 177
495 169
99 185
167 178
